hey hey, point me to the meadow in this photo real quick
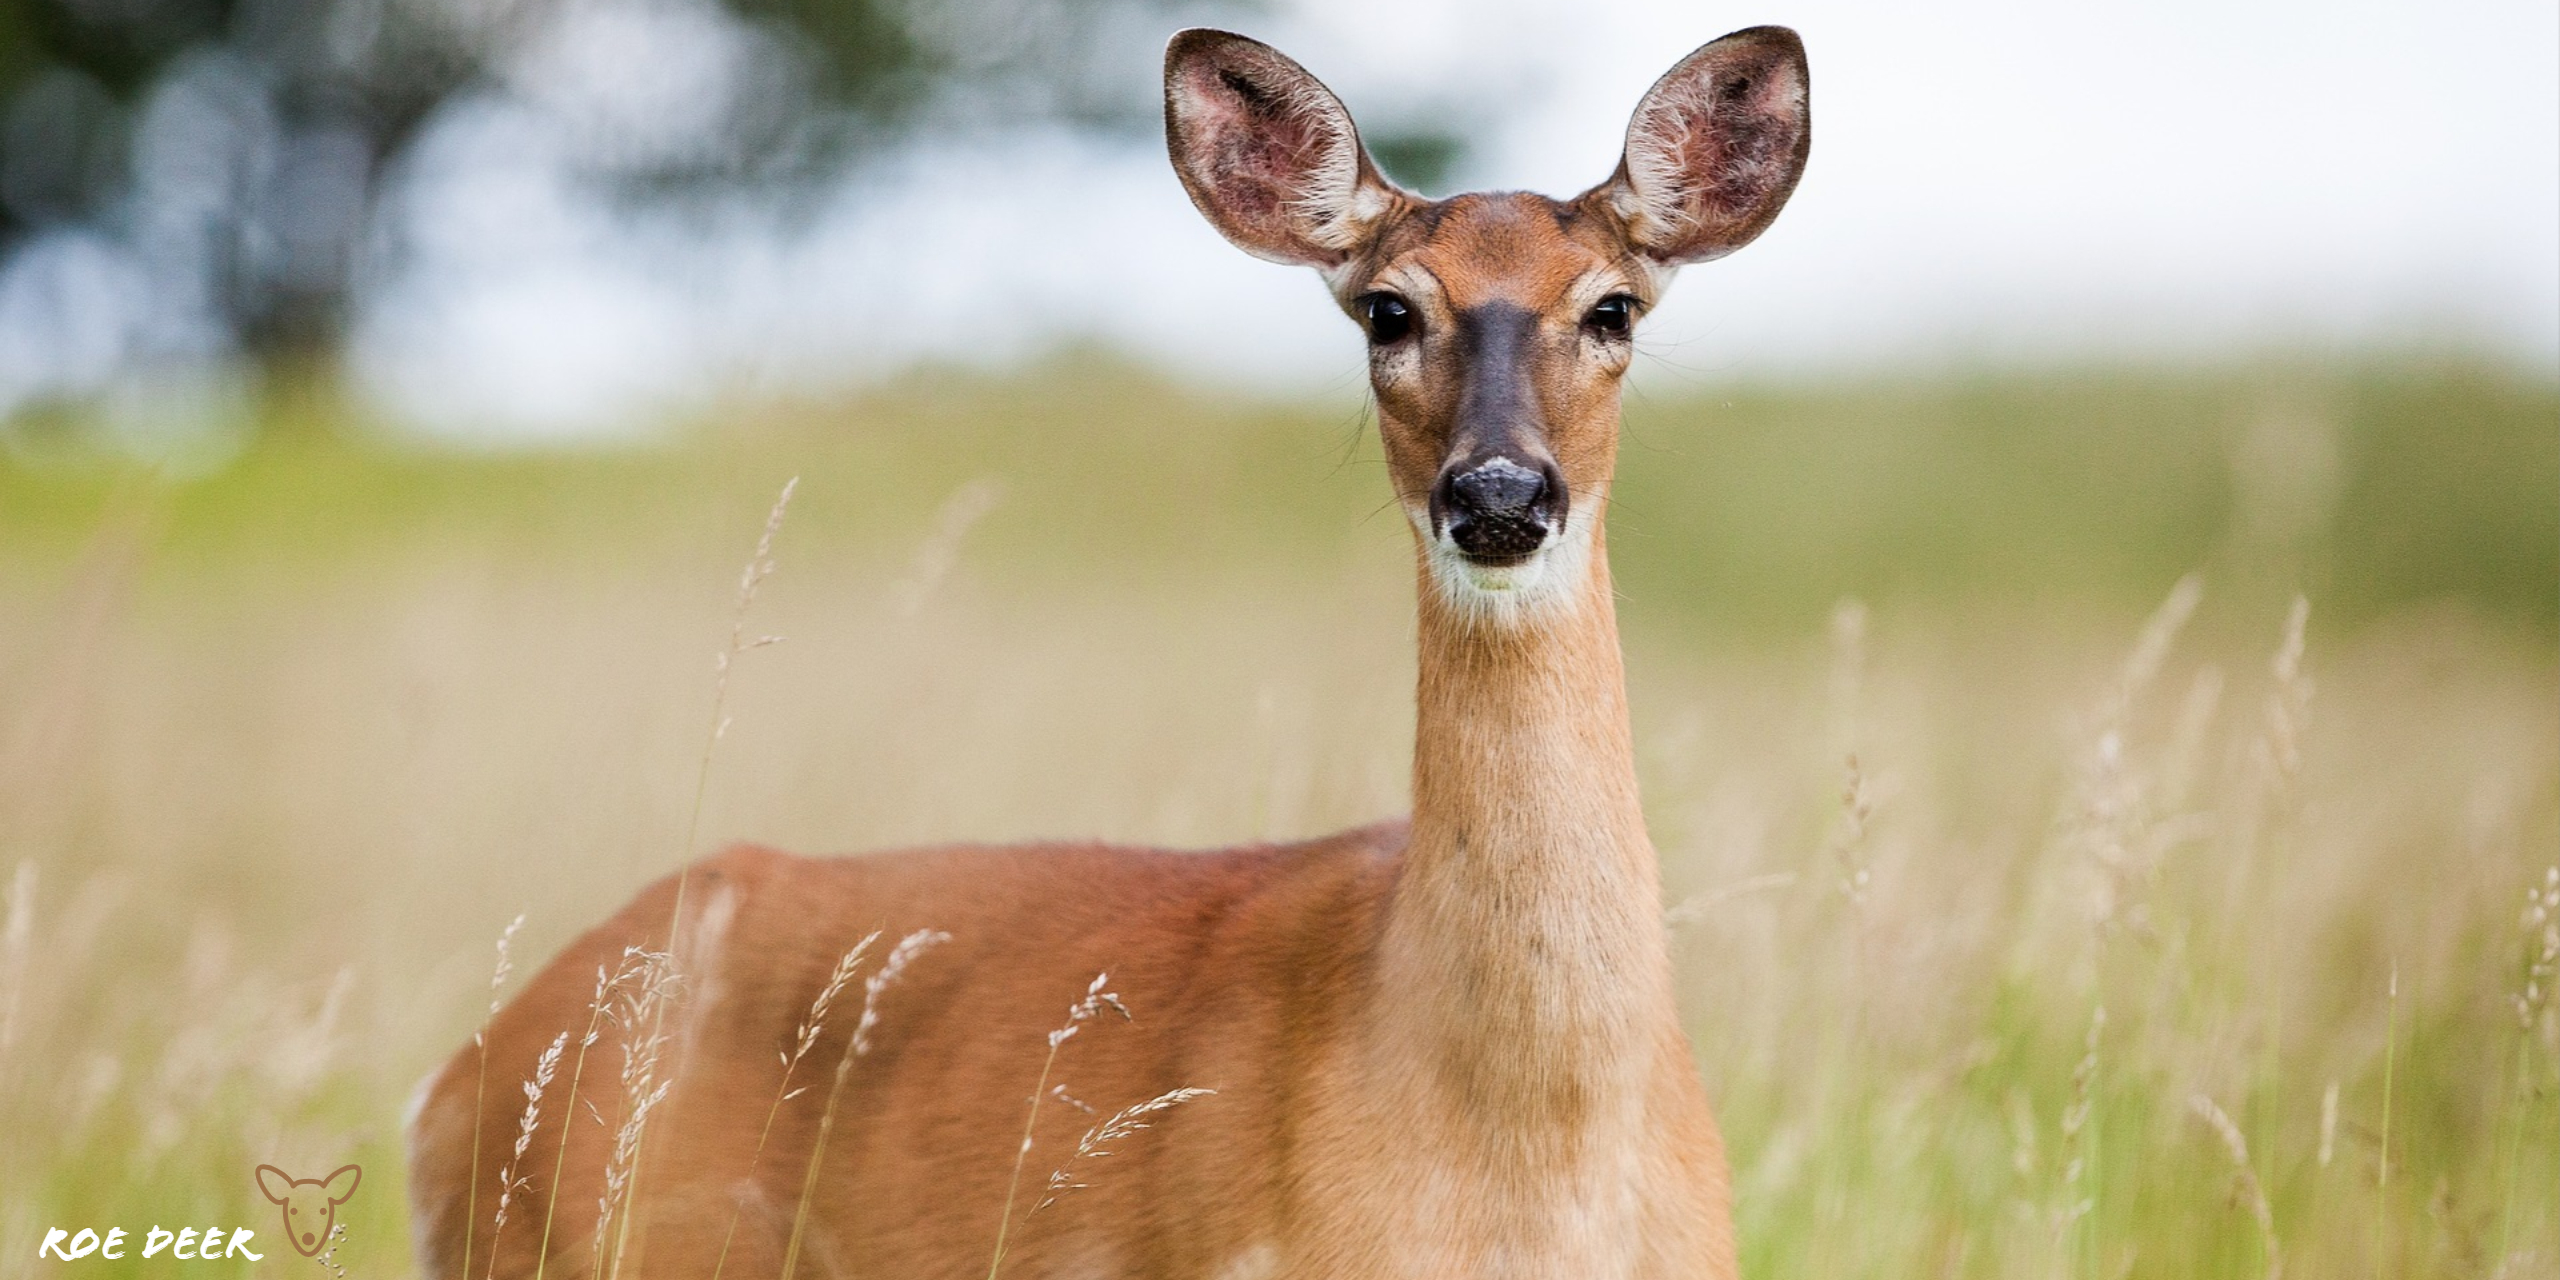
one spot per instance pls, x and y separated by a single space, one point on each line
2103 814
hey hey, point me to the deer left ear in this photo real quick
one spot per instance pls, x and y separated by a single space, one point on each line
1715 148
342 1184
1268 153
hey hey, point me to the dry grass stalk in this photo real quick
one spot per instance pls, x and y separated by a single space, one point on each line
2382 1159
17 944
2111 821
2024 1158
2079 1172
1095 1000
750 580
2151 648
940 549
597 1006
545 1069
1696 906
1848 672
806 1039
328 1258
2540 925
17 939
1096 1141
815 1024
856 1045
646 985
2329 1124
891 970
2272 813
1848 847
1849 857
480 1088
2289 705
759 567
2251 1194
504 968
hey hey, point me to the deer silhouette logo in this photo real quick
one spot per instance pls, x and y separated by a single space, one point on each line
310 1205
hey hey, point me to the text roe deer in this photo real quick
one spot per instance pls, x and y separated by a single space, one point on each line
1441 1047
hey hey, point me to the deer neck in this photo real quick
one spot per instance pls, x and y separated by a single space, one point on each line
1526 976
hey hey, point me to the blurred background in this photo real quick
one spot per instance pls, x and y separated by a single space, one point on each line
517 221
2091 572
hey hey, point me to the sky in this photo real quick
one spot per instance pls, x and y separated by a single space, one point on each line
1991 181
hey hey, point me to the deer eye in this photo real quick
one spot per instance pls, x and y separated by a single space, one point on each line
1387 317
1613 317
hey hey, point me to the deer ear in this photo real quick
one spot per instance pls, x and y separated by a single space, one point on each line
1715 148
342 1184
274 1183
1268 153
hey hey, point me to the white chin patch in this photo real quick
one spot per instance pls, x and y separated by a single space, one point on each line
1520 578
1541 584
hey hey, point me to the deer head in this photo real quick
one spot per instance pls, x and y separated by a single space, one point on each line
1499 323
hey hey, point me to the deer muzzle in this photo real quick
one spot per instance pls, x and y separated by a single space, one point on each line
1499 498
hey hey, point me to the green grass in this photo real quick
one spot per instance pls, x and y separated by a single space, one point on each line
2375 489
285 745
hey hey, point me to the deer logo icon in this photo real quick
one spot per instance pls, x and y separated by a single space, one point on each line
310 1204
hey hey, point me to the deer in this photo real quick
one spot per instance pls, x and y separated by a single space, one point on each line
1437 1046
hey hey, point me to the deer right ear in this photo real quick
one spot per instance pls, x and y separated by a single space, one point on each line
1715 148
274 1183
1268 153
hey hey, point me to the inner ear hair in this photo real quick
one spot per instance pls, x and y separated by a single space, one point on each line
1715 147
1267 153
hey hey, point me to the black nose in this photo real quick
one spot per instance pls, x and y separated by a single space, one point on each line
1498 489
1499 510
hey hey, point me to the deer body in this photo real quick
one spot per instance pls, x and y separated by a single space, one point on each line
1439 1048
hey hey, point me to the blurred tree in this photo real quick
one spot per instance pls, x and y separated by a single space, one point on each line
1420 156
228 157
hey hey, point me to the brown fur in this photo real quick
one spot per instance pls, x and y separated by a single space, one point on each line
1447 1047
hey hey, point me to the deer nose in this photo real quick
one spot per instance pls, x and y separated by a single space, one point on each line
1498 509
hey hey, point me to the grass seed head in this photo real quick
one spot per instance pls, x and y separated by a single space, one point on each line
891 970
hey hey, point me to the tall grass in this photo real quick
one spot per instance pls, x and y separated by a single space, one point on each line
280 753
856 1046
